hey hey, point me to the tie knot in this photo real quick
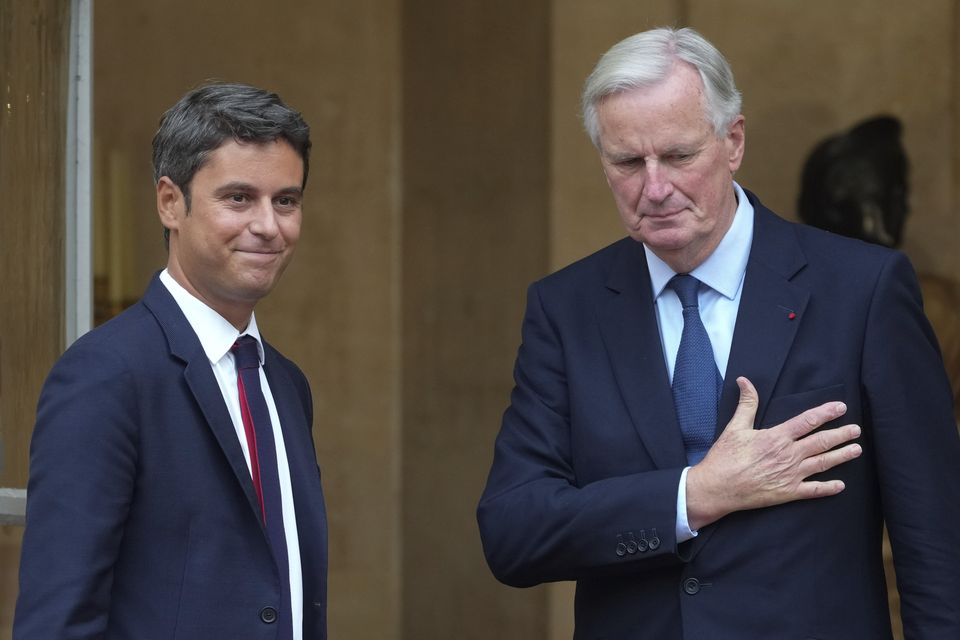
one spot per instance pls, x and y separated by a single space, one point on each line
686 287
245 352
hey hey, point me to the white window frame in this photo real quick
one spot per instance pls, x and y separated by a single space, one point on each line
78 305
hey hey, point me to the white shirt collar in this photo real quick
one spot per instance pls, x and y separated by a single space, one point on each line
723 270
215 333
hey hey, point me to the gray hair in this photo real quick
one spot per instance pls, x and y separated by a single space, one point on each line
206 117
644 59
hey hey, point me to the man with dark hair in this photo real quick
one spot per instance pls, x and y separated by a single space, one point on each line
174 489
625 461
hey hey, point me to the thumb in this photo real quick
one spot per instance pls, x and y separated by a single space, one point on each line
746 407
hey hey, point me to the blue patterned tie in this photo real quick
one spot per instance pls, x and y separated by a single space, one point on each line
696 379
248 371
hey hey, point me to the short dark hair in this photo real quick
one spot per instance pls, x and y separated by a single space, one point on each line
206 117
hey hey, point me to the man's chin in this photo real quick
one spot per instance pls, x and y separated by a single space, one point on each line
664 239
255 288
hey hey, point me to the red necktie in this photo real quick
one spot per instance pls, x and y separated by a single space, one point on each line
251 440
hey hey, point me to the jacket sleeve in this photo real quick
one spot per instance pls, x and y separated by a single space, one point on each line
83 459
538 522
918 453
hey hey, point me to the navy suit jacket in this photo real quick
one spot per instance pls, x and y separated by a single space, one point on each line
142 521
589 455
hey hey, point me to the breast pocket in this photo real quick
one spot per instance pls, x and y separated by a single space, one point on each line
782 408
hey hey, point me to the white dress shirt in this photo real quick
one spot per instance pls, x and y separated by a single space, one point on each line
217 336
722 274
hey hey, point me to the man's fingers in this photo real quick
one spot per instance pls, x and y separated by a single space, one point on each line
801 425
813 489
746 407
826 461
827 439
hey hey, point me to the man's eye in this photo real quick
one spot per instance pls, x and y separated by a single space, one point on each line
286 201
239 198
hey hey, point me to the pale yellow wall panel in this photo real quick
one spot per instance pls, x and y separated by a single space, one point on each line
475 225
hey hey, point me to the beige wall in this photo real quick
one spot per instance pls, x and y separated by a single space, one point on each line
474 232
449 170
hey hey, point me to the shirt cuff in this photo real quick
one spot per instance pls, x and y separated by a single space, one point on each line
684 532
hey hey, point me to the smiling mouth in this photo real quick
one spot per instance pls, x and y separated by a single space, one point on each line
261 257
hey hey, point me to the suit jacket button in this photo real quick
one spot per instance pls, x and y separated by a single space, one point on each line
268 615
654 541
691 586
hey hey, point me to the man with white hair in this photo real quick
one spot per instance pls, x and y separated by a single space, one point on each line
625 460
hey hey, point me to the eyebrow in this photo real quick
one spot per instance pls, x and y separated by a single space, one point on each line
619 157
246 186
680 148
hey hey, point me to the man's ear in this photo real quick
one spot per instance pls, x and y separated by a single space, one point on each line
171 204
735 141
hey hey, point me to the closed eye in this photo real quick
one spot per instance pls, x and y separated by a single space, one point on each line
680 158
629 162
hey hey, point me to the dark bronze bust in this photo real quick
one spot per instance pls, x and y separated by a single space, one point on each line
855 183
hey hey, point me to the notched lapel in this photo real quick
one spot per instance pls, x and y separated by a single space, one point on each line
293 423
630 333
307 493
185 345
772 309
209 398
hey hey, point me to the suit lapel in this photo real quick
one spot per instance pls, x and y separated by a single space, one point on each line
628 324
185 345
297 440
307 493
765 328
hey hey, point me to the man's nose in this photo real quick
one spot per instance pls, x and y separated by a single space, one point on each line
657 185
264 222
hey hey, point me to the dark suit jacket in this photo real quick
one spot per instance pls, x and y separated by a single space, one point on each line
589 454
142 520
